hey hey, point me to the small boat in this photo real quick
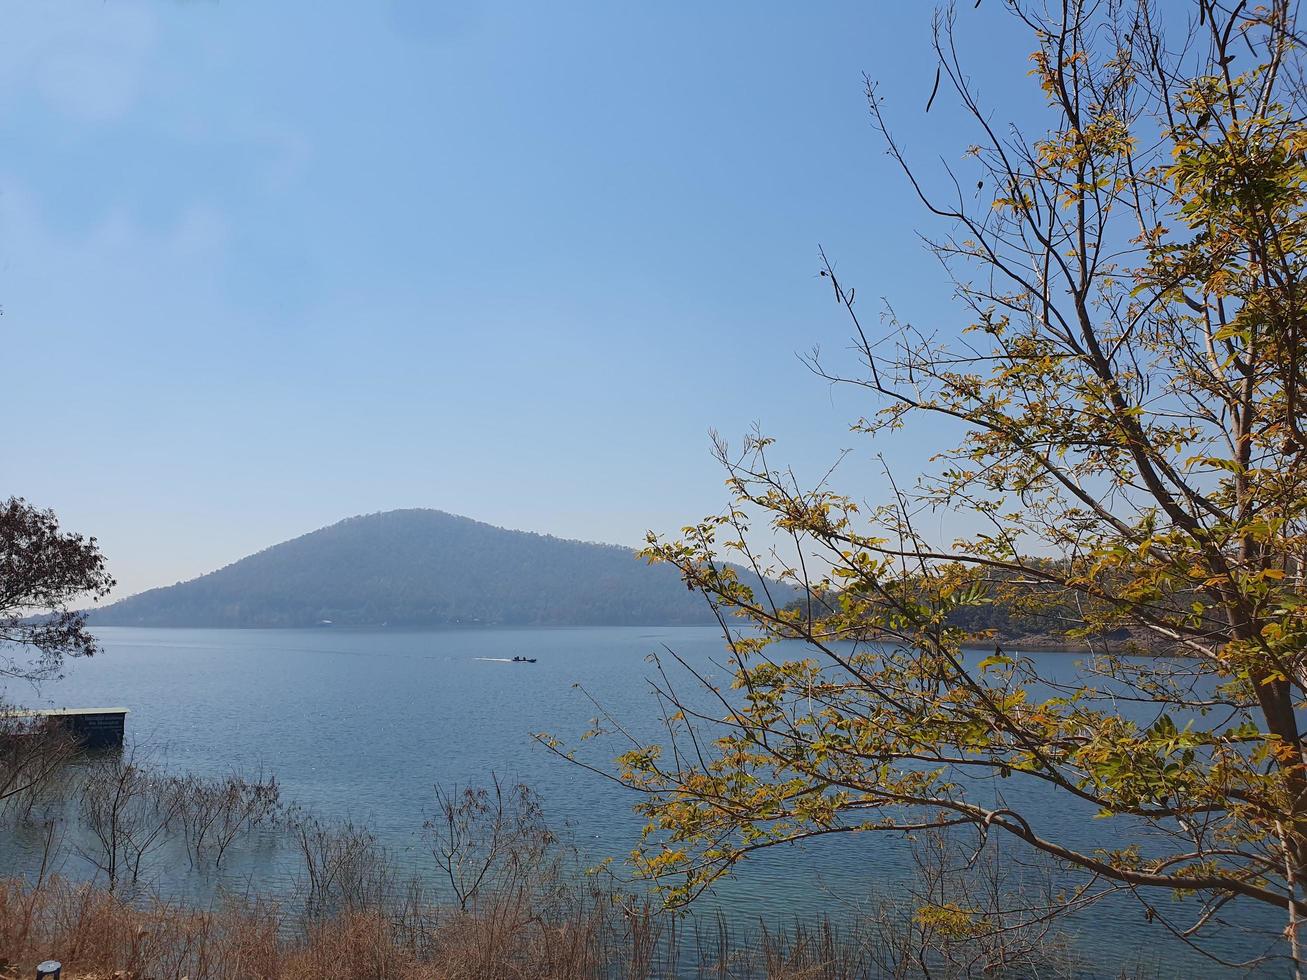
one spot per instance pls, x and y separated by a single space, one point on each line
524 660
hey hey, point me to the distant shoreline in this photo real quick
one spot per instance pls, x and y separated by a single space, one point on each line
975 644
1052 644
406 627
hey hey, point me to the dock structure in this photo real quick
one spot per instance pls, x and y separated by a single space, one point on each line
91 728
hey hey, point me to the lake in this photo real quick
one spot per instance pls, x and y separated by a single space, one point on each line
361 724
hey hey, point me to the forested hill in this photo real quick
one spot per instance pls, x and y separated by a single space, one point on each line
422 568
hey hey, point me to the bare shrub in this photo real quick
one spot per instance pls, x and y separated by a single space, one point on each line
345 869
490 841
971 909
126 811
523 906
32 751
214 813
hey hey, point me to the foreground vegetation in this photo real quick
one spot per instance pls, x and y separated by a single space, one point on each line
502 895
100 935
1124 381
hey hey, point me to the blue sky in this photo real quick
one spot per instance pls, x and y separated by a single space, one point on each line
265 266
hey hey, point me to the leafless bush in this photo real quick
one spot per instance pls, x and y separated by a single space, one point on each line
126 810
129 810
971 910
213 813
345 869
32 752
492 842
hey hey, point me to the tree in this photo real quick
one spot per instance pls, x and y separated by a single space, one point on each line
1128 381
43 569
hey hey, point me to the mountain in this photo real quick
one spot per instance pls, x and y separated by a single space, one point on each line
422 568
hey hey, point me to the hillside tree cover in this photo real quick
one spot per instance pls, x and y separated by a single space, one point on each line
420 568
1127 372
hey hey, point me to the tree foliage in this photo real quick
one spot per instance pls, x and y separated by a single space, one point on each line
1128 380
43 570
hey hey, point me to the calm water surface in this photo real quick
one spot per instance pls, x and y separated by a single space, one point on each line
360 724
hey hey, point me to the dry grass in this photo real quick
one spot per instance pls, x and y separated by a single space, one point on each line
97 934
512 905
100 936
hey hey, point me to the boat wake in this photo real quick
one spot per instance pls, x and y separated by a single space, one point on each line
495 660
